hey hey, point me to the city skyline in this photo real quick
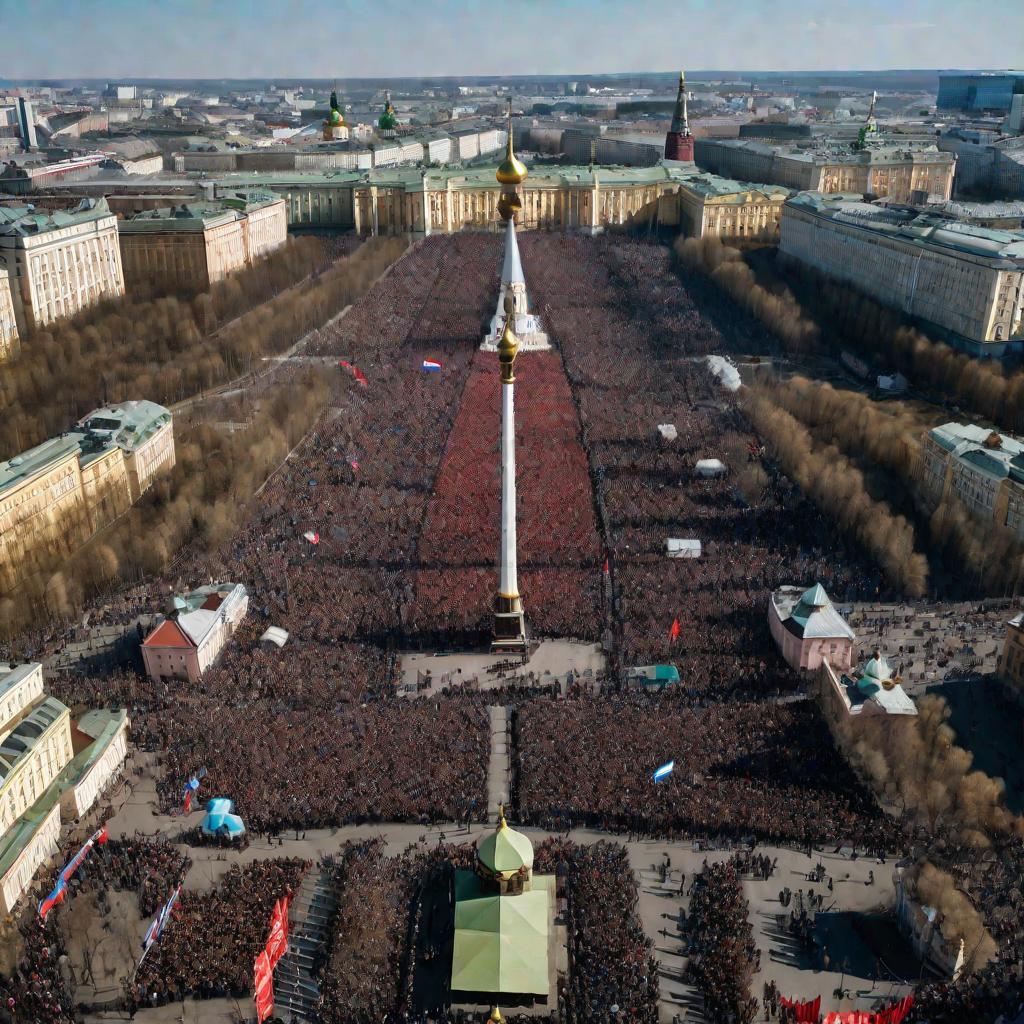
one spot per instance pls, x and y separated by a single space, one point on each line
238 39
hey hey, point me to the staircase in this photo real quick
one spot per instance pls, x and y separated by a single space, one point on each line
296 992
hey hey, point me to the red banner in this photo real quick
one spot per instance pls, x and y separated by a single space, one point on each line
893 1014
263 976
805 1013
277 942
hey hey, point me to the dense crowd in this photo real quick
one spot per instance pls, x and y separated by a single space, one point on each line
38 987
720 944
396 761
208 948
613 975
766 770
366 977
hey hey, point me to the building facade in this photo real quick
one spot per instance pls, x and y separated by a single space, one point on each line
808 630
987 163
195 244
187 643
50 765
8 321
962 282
1011 661
55 496
59 263
980 468
981 90
894 170
587 199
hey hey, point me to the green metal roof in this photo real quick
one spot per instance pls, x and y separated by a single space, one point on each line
501 942
505 850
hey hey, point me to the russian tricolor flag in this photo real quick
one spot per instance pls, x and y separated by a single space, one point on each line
431 366
664 771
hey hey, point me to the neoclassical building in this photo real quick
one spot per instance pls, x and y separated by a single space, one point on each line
51 767
195 244
55 496
579 198
8 321
962 282
58 263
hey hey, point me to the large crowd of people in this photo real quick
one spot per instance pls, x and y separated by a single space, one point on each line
380 531
397 761
721 956
766 770
208 948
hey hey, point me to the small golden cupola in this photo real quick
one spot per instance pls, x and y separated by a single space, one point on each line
508 349
511 170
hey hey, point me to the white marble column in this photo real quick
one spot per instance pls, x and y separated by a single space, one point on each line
508 581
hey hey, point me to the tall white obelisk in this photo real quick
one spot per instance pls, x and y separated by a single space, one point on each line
509 622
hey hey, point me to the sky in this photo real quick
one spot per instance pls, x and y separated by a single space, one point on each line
341 39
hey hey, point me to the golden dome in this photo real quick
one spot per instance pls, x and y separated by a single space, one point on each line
511 171
508 348
496 1017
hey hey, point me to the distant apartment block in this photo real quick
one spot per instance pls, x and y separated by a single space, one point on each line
962 282
195 244
988 163
55 496
978 91
59 263
895 170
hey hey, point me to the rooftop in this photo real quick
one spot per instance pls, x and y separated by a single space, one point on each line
18 743
19 219
838 151
924 229
127 424
810 614
997 455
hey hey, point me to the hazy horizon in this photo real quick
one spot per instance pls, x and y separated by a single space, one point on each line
317 39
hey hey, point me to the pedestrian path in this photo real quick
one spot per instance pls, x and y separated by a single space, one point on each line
296 990
499 770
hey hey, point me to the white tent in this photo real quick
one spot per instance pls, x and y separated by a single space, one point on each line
678 548
725 370
668 431
710 467
275 635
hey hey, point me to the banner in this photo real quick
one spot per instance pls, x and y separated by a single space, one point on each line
263 978
277 942
893 1014
57 895
805 1013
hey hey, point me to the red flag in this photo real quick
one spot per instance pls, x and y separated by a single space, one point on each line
263 979
277 943
188 801
674 631
606 567
102 836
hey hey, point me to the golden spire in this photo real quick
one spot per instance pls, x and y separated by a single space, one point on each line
511 171
502 823
495 1017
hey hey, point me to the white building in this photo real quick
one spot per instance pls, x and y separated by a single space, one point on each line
962 282
49 764
59 263
184 645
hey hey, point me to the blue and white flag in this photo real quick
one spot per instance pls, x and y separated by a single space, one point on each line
431 366
664 771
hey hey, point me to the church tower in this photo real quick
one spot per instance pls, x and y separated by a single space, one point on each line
334 125
526 327
679 141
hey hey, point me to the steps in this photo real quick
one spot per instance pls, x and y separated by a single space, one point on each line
499 774
296 991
